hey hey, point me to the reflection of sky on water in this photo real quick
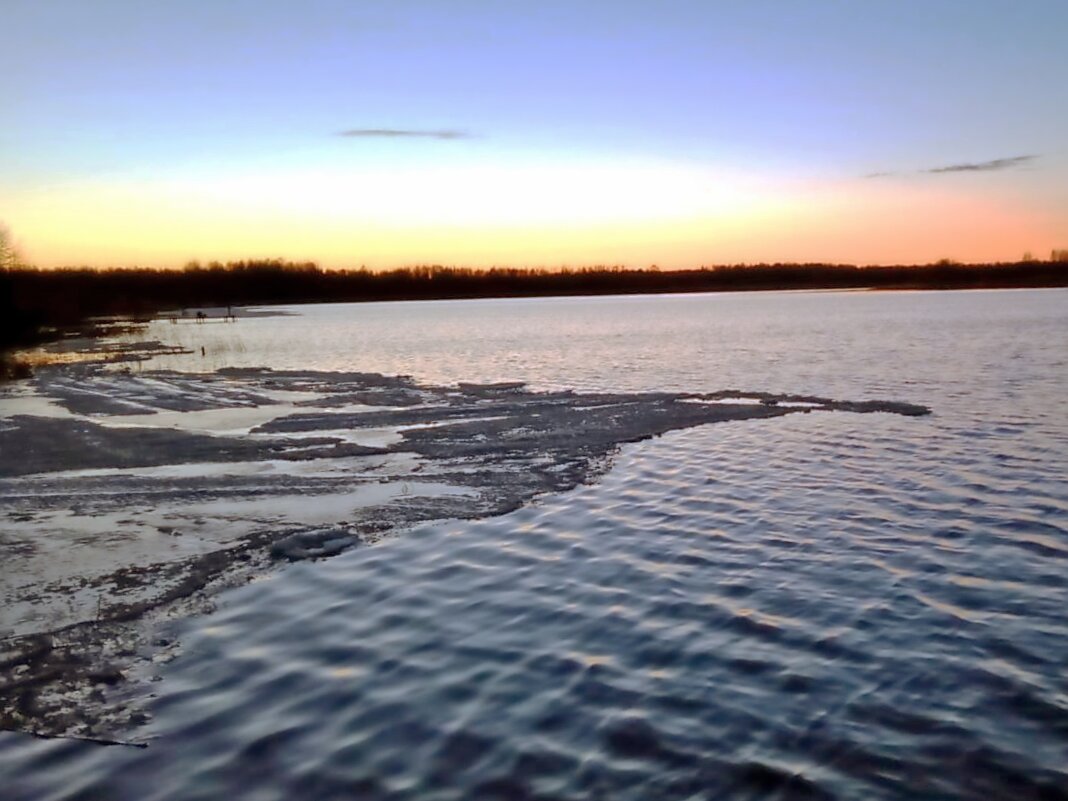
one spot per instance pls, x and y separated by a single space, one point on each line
824 605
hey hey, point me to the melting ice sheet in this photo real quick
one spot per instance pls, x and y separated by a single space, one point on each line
125 498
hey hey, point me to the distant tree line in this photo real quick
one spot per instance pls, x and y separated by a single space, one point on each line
35 303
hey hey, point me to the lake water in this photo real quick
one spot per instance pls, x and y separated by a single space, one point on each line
815 606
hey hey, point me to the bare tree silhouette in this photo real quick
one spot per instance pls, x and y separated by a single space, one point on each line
9 258
34 302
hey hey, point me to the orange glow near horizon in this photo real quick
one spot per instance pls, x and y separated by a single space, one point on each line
532 135
633 214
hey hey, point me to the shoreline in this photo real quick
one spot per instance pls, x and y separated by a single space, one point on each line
18 362
41 305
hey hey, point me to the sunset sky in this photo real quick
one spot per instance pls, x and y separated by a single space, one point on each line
548 133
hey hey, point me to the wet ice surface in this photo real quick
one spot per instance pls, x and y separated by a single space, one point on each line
812 606
153 487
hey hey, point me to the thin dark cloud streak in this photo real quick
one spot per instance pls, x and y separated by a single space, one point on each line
403 133
983 166
994 165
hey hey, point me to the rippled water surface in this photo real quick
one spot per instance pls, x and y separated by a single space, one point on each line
816 606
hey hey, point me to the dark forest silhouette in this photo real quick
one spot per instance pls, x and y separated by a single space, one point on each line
35 304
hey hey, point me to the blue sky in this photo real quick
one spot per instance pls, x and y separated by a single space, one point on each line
794 95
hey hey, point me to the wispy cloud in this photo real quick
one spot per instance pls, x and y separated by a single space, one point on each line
403 133
983 166
993 165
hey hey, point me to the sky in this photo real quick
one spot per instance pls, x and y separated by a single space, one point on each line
402 132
